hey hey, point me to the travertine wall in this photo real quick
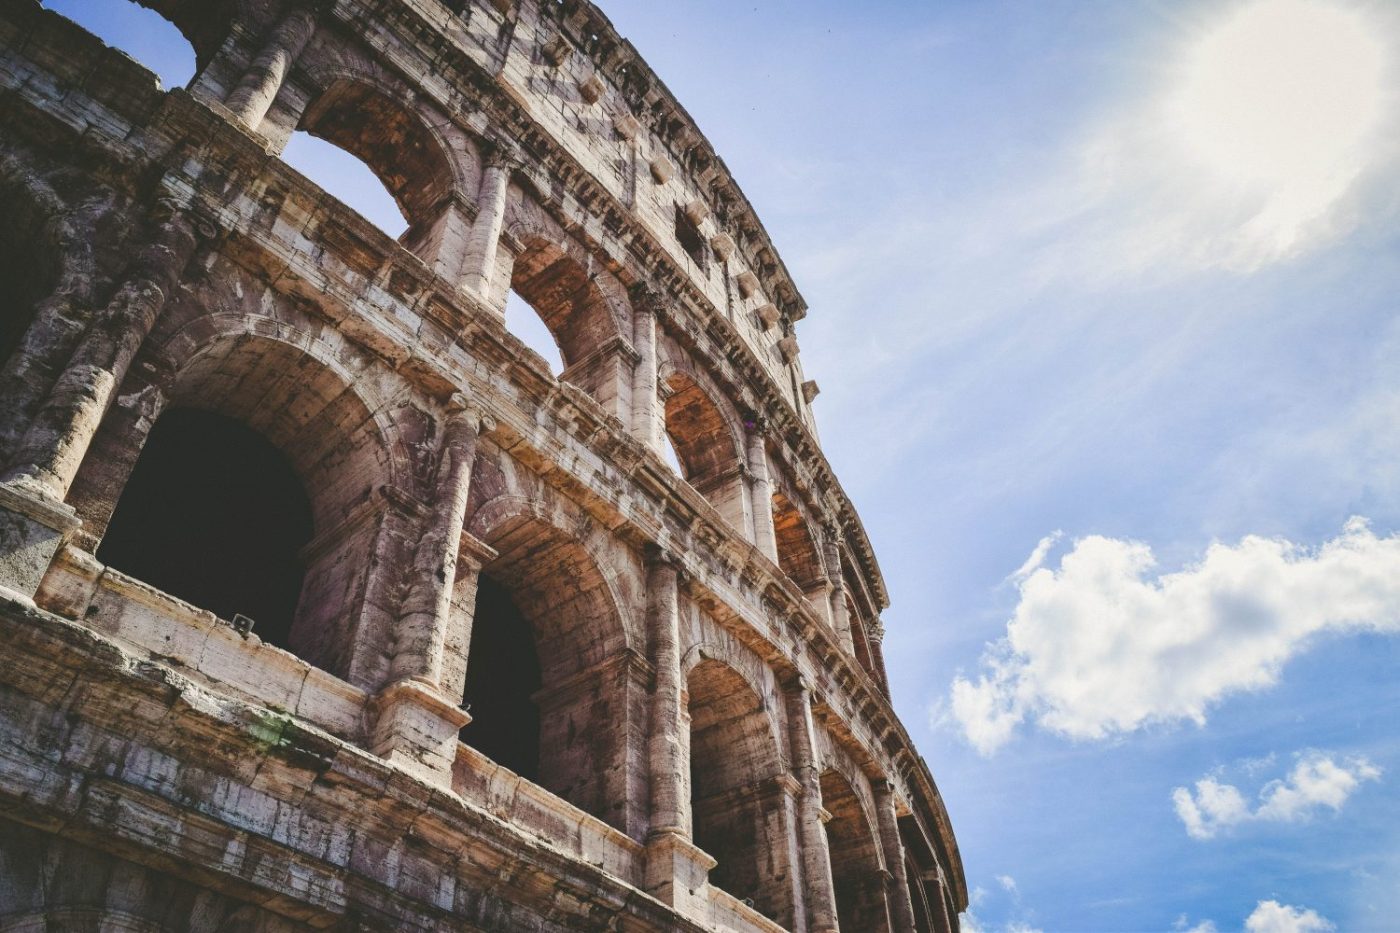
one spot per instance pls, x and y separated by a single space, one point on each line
702 664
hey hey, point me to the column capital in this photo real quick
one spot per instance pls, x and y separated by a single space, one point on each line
459 405
499 152
646 297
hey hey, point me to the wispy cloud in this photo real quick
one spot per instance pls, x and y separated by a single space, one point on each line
1100 647
1273 917
1317 781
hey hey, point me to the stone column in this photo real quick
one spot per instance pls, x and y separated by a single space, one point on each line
422 624
35 519
416 721
877 654
811 831
253 97
482 242
764 537
666 764
676 869
897 896
647 415
840 614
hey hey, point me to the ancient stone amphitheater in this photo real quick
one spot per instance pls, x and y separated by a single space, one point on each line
326 603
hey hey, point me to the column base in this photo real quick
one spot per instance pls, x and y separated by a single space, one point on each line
677 873
33 527
416 729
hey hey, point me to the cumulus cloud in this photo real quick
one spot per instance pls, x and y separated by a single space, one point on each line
1101 646
1273 917
1317 781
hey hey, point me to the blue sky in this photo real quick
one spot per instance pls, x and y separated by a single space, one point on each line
1062 295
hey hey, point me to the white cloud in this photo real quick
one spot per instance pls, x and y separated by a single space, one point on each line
1098 647
1316 781
1273 917
1183 924
1007 882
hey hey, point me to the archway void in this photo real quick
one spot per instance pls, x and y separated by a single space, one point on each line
214 514
736 807
143 34
346 179
546 641
503 674
526 324
705 448
855 858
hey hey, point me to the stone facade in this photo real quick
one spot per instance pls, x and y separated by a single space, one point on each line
325 604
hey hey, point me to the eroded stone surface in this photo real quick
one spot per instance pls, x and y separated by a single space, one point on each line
669 688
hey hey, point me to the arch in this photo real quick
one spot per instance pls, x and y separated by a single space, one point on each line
547 579
563 290
294 395
737 801
706 446
403 149
797 549
214 514
160 36
856 860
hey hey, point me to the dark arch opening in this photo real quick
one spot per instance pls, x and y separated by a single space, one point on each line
503 675
549 641
734 801
855 860
214 514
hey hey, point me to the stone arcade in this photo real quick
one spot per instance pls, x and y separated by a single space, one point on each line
506 670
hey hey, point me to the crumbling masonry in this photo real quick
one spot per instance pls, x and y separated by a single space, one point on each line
506 670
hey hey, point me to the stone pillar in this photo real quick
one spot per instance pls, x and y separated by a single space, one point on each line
33 518
416 720
897 896
251 99
647 415
764 537
811 831
840 614
877 654
422 624
667 765
676 869
485 236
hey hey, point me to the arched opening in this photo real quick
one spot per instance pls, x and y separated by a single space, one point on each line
347 179
503 676
214 514
144 34
565 296
382 138
797 552
931 911
736 805
548 634
523 322
705 447
250 394
855 858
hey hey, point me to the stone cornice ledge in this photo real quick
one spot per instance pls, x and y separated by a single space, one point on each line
236 756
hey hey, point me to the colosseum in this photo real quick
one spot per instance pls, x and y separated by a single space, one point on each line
327 603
